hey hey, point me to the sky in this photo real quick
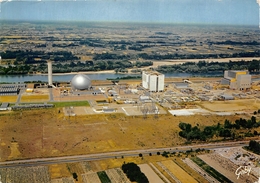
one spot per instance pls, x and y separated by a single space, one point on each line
232 12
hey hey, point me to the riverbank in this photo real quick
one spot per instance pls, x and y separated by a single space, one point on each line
74 73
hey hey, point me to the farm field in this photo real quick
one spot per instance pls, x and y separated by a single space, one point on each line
10 99
35 98
25 175
86 171
178 172
150 174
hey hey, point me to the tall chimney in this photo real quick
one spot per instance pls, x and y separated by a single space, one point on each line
49 72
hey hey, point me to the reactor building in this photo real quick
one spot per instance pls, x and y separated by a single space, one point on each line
80 82
238 80
153 81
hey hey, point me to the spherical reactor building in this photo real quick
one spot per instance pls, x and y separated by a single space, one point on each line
80 82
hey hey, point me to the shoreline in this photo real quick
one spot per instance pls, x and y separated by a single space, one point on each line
82 72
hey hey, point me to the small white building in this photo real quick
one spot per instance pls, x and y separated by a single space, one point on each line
238 80
153 81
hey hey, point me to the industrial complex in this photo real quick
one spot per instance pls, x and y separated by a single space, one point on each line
137 114
154 94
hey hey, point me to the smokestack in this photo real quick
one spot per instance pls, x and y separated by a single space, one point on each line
49 72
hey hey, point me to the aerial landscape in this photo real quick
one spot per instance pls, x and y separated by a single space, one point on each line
165 97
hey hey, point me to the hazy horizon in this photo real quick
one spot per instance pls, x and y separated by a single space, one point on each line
212 12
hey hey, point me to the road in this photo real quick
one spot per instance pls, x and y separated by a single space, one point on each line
119 154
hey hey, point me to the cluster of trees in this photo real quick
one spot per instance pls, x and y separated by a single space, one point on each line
126 77
19 69
196 56
19 55
242 123
110 56
97 43
204 67
227 130
28 57
229 42
65 45
254 146
134 173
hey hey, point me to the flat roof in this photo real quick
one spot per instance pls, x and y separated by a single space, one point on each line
152 73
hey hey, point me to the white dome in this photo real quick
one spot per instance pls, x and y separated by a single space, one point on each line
80 82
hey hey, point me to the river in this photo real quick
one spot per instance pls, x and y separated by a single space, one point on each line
100 76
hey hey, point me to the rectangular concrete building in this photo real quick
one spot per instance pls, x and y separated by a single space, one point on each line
153 81
238 80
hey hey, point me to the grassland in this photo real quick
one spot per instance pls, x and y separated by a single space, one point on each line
48 132
34 98
68 104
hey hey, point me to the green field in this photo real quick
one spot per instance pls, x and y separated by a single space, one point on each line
103 177
68 104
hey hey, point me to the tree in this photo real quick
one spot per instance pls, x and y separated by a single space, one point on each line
254 65
225 133
253 119
208 131
134 173
227 124
75 176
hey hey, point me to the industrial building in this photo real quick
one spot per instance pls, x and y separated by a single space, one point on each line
153 81
238 80
11 89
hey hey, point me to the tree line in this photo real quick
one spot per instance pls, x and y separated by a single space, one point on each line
204 67
227 130
196 56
